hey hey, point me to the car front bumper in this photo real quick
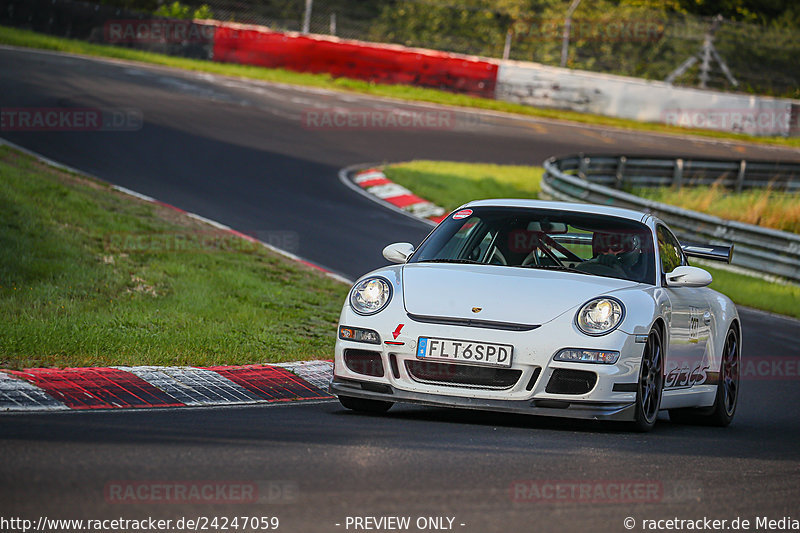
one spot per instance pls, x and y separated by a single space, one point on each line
623 411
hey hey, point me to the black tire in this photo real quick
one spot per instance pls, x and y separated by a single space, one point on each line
365 406
727 398
651 383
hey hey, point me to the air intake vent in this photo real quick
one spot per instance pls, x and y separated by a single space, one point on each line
364 362
566 381
393 365
534 379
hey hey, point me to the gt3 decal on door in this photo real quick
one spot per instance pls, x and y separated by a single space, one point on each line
682 376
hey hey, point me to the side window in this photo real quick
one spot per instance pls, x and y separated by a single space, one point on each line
669 249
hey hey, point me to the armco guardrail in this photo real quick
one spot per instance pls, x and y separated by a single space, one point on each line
585 178
623 171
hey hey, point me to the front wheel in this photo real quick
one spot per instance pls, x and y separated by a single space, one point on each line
651 383
721 413
364 405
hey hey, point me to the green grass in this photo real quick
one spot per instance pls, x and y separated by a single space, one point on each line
450 184
24 38
768 208
89 276
756 293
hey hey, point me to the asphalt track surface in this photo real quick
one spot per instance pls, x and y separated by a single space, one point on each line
239 152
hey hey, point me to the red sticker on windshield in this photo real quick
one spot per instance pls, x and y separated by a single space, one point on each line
464 213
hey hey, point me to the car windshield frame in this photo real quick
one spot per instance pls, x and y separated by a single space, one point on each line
544 239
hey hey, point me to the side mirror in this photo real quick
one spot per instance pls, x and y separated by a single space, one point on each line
688 276
398 252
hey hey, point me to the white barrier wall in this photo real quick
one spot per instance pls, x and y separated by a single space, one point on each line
637 99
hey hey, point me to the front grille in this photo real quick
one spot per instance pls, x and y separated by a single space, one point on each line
364 362
566 381
462 375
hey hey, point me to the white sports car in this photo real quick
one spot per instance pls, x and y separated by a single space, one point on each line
549 308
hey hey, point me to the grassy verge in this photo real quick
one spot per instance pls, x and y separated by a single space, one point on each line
771 209
756 293
89 276
17 37
451 184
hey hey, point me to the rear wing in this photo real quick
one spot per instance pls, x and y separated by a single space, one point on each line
708 251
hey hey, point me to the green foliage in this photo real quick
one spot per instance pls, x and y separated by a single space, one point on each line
757 11
473 27
176 10
203 12
640 38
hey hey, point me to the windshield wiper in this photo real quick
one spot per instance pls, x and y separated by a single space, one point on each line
465 261
555 267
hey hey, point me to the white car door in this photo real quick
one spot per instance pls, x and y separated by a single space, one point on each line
686 361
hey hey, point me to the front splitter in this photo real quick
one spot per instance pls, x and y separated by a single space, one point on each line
623 412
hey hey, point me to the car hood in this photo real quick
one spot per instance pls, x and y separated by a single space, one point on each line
504 294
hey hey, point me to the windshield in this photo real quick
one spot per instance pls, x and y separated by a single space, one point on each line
584 243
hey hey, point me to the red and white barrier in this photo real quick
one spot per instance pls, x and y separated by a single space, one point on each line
139 387
381 63
512 81
374 182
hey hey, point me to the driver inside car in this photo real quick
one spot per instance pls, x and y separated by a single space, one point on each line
619 252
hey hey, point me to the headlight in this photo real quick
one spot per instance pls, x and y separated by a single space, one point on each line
600 316
370 296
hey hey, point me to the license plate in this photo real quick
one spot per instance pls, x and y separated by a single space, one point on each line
459 351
